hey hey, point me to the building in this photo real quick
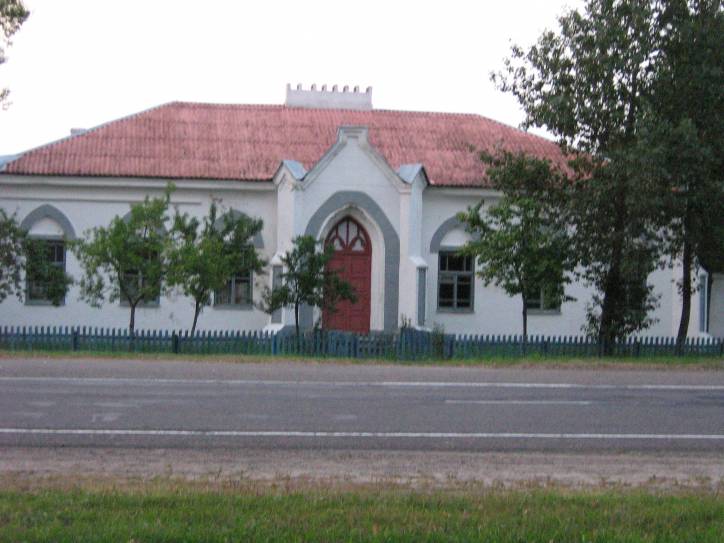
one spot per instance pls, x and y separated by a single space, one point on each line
382 186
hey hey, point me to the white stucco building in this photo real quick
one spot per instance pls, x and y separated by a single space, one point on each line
383 186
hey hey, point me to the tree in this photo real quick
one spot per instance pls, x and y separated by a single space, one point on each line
204 255
126 260
684 135
12 15
307 280
588 84
520 243
12 243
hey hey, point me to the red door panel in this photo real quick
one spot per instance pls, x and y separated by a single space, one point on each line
352 260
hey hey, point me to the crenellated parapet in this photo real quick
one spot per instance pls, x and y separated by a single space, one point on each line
324 98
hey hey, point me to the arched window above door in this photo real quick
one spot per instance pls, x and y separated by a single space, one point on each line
348 236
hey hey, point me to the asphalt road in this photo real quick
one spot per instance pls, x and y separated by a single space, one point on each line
164 404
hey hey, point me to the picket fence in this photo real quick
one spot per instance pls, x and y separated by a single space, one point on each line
407 344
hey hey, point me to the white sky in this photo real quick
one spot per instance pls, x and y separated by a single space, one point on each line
79 63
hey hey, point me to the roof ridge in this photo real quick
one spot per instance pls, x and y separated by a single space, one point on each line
373 111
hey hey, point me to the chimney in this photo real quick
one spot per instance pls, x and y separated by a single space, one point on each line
329 99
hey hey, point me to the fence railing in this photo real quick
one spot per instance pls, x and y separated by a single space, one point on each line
407 344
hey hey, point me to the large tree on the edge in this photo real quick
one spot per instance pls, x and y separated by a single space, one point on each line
684 137
587 84
12 15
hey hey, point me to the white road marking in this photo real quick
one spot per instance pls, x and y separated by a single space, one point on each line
396 384
520 402
286 433
105 417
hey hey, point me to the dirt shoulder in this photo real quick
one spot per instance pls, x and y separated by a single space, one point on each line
667 363
28 467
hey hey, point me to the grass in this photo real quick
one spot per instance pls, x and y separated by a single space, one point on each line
648 362
187 512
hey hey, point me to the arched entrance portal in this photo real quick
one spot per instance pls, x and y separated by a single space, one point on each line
353 262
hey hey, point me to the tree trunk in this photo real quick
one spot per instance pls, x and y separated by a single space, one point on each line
132 323
612 294
296 323
197 310
525 325
685 297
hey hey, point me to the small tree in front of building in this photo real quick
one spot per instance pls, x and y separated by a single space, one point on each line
12 240
46 279
126 259
520 243
205 254
306 279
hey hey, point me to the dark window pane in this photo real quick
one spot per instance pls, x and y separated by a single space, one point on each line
446 296
456 263
242 290
443 261
222 296
464 295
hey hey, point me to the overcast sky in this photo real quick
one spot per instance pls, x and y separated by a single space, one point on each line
80 63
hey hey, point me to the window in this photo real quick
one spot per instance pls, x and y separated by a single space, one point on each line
538 299
237 292
41 279
455 282
135 281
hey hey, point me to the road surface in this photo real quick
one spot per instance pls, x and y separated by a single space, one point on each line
188 405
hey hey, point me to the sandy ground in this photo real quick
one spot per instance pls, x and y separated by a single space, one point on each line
344 468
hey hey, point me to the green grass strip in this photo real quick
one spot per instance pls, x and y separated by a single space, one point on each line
389 516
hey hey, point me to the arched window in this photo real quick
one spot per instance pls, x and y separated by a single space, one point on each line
49 231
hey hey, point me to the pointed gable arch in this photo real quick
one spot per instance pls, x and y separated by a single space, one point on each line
47 211
453 223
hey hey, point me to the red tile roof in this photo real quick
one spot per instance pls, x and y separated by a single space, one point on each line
248 142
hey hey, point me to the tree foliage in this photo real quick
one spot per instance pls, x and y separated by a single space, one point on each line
205 254
520 242
588 85
307 280
40 270
683 135
126 260
12 15
12 242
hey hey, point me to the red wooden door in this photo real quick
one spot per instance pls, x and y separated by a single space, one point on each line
353 262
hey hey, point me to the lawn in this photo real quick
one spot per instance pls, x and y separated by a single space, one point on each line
189 513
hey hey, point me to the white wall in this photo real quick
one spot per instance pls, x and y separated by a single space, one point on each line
93 202
716 309
494 311
86 205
